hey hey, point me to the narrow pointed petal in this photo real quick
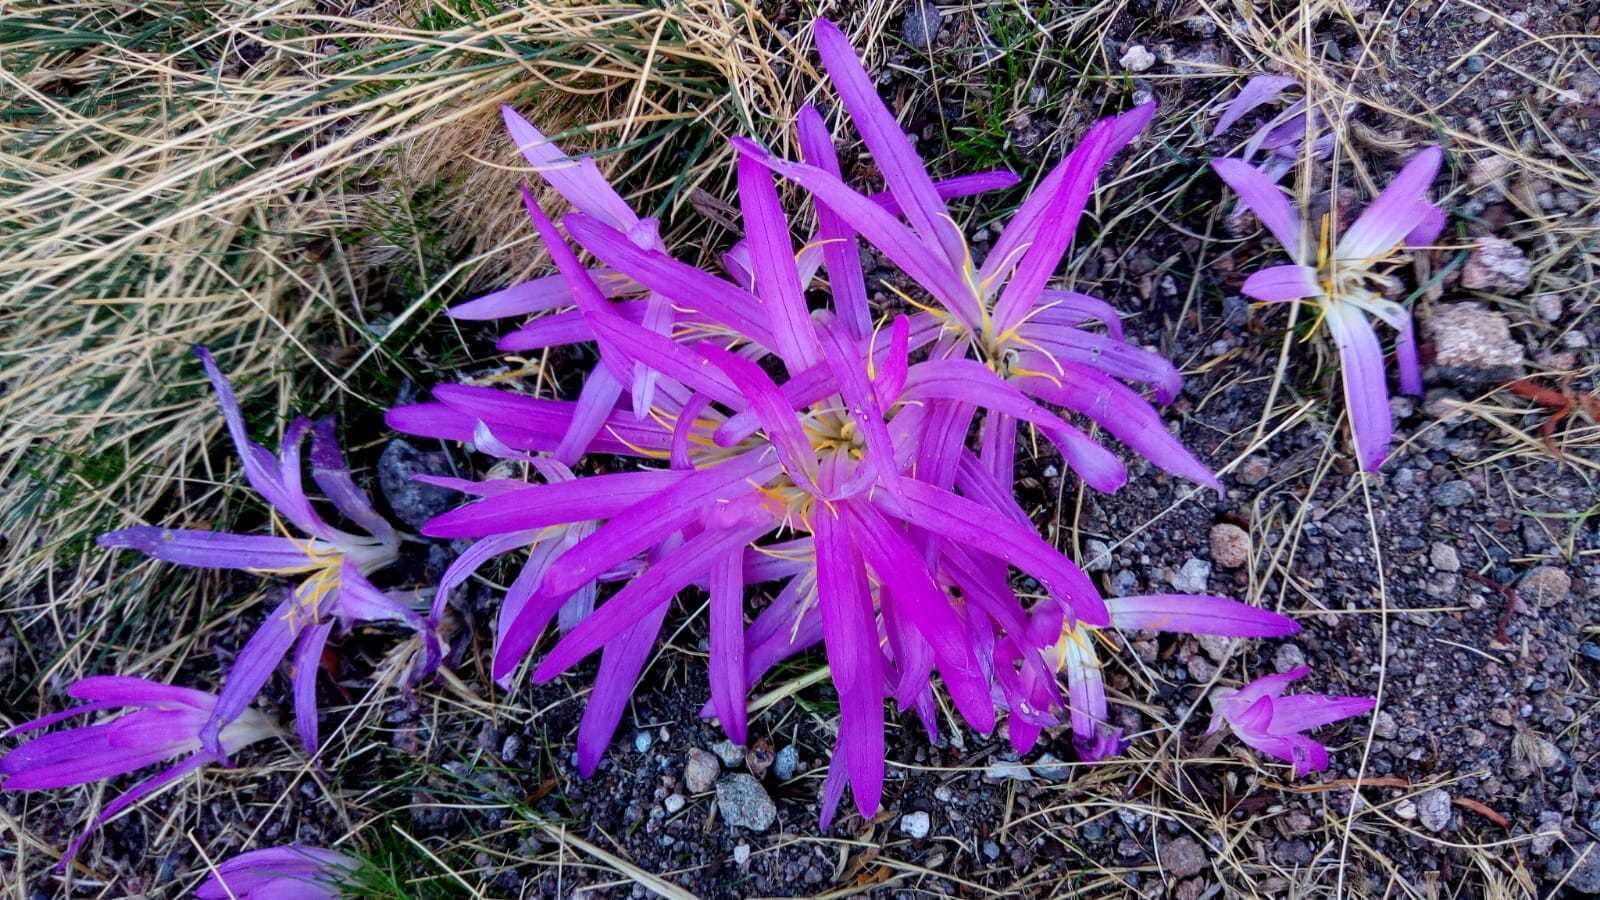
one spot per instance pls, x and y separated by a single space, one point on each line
577 180
850 637
1121 411
332 475
1261 89
1400 208
840 250
784 432
777 281
645 595
210 549
1305 712
1113 357
727 669
1366 394
1072 309
596 401
256 662
548 292
540 505
903 171
620 666
951 516
1263 198
1197 614
1286 282
307 660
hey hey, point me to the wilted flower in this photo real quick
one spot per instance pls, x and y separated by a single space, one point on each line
1075 654
1001 313
292 872
1348 279
1265 719
166 722
1281 136
335 563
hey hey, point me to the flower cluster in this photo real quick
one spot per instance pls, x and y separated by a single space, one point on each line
740 437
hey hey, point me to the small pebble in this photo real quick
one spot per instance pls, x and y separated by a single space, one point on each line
1433 808
1050 768
1443 557
1453 493
743 803
1253 471
1288 657
641 741
741 854
1137 59
786 763
1546 585
922 25
1548 306
1193 577
674 802
730 753
700 771
1230 545
916 825
1183 857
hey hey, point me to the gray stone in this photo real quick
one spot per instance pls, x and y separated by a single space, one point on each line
641 741
1548 306
1215 645
1443 557
1183 857
412 501
1496 265
1230 545
741 854
1288 657
1137 59
786 763
1193 577
1548 833
1124 583
1471 339
1007 770
744 803
700 771
916 825
1546 586
1433 808
1050 768
1453 493
1585 875
1096 555
674 802
922 25
730 753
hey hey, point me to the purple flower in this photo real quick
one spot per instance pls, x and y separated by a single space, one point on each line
1282 135
1001 313
335 564
1265 719
166 722
292 872
1347 280
1074 651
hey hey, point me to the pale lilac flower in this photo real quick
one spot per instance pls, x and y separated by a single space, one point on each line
1347 280
333 562
1280 138
1001 313
1075 654
1262 717
292 872
166 722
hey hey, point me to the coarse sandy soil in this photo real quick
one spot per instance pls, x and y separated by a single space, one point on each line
1458 585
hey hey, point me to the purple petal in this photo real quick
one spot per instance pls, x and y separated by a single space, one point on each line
332 475
307 660
256 662
1428 230
1257 91
620 665
1124 413
951 516
1113 357
210 549
471 560
538 295
903 171
1197 614
1399 209
1263 198
1071 309
644 595
1286 282
596 401
840 249
850 637
727 669
1366 393
1305 712
128 690
541 505
777 417
579 181
777 281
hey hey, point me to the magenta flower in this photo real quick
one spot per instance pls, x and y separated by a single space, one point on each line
1074 651
166 722
292 872
1347 280
335 564
1262 717
1001 313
